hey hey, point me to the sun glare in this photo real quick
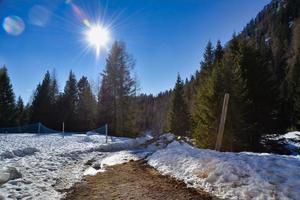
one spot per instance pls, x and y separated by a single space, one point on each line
98 37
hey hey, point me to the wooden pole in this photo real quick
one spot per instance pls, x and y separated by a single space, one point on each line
63 127
106 133
39 128
222 122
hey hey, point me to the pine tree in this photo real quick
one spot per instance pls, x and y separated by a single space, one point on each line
117 92
55 121
219 52
238 133
206 112
293 82
22 115
7 100
296 97
86 105
261 85
41 103
180 121
226 77
208 60
70 103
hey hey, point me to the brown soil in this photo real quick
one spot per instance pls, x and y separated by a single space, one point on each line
134 181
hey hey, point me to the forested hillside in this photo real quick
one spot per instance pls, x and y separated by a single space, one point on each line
258 67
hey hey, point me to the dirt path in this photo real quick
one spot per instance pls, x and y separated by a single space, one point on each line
134 181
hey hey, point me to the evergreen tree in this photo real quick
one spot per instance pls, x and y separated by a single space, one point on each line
239 130
55 121
262 87
207 111
226 77
117 92
86 105
180 121
219 52
21 116
208 60
40 108
7 100
292 80
296 97
70 103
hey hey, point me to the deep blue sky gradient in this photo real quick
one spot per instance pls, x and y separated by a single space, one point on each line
165 37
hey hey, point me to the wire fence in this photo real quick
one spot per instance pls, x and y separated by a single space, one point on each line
42 129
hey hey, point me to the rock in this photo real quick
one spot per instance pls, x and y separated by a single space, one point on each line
9 173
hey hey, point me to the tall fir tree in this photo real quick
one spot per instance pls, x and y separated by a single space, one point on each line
7 100
206 112
239 130
22 113
117 92
55 121
218 52
86 105
70 103
225 77
180 119
208 60
40 108
292 80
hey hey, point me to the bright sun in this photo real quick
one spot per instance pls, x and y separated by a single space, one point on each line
98 37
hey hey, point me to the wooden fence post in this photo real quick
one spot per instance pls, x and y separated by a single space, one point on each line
39 127
222 122
106 133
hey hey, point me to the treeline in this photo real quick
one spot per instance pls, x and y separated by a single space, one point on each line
78 106
115 102
259 68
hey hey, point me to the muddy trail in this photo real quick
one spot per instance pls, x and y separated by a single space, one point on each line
134 180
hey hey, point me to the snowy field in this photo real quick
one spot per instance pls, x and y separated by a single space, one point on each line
231 175
49 163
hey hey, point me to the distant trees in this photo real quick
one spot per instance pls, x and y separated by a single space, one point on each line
22 113
7 100
180 119
87 105
70 102
43 102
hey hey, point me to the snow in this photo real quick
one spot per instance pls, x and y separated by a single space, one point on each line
290 140
36 166
231 175
292 135
52 162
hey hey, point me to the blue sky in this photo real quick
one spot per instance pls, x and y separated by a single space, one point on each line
165 37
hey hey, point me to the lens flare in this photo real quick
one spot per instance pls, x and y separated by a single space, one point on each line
39 15
98 37
13 25
95 33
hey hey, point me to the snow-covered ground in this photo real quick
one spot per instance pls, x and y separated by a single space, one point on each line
50 163
43 166
290 141
231 175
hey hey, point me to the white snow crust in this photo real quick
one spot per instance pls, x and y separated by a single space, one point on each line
231 175
50 163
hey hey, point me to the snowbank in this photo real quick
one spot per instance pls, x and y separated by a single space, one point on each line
123 156
289 141
231 175
51 163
